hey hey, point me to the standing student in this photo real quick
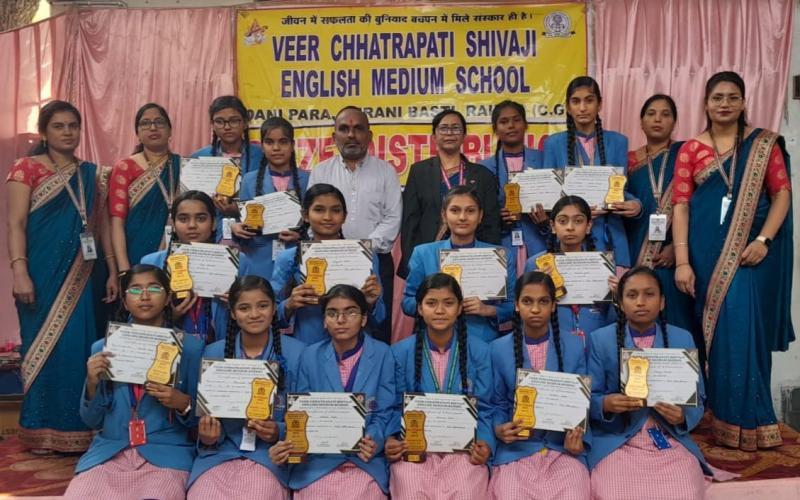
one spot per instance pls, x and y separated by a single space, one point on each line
226 465
373 194
429 181
640 452
324 212
277 142
462 213
585 143
229 139
732 229
54 199
349 360
509 124
547 464
193 214
571 231
442 357
142 189
650 173
118 465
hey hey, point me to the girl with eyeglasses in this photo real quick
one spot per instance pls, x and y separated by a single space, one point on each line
430 180
142 189
324 211
113 467
348 360
224 467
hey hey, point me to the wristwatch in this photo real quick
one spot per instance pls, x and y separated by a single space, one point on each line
186 410
763 239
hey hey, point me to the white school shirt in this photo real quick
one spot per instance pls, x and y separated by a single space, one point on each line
374 199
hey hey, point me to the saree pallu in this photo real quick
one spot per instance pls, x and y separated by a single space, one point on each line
58 329
744 311
679 306
148 211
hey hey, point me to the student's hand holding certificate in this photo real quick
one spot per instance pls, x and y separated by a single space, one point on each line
266 430
209 429
573 441
394 449
671 413
366 447
371 290
96 367
479 453
509 432
279 452
620 403
302 295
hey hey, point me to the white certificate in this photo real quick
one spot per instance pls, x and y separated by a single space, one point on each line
673 375
213 267
590 183
136 349
539 186
335 421
481 272
228 387
281 211
342 262
204 173
561 400
585 276
450 420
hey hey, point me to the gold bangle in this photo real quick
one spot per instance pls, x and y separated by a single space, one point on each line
11 262
683 244
681 264
111 257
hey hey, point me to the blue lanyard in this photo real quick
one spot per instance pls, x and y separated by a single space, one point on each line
452 360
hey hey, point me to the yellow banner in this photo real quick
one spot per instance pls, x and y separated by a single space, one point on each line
404 64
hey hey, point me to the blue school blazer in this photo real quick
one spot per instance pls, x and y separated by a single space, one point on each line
479 382
505 382
608 230
219 312
319 372
256 256
425 261
534 237
230 440
611 431
307 321
110 412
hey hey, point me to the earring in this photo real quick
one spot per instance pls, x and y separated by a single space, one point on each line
44 143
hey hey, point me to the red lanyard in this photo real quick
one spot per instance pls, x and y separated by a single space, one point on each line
460 176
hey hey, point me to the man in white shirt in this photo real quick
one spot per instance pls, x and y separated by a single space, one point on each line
372 191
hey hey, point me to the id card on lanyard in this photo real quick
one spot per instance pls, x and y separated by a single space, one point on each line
88 245
137 434
446 179
657 229
452 362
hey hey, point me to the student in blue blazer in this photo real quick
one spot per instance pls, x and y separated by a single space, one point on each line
509 124
349 360
232 457
544 464
142 447
442 357
462 214
324 212
193 221
585 143
647 450
259 251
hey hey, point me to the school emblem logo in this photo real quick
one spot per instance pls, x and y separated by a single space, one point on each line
254 34
558 24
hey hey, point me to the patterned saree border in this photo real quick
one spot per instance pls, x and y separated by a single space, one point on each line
733 436
48 189
52 439
651 248
736 240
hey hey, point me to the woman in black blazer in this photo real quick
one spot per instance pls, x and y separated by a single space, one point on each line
429 180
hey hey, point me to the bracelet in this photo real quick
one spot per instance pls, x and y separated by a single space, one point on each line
11 262
681 264
683 244
111 257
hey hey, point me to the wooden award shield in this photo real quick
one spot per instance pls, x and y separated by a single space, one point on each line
616 190
513 204
453 270
636 387
296 422
524 404
415 436
316 274
180 282
254 218
260 392
227 182
547 263
160 371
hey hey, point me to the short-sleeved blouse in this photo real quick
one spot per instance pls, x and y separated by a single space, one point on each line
29 172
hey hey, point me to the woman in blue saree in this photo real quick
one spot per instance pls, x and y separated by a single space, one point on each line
732 229
54 201
650 173
142 189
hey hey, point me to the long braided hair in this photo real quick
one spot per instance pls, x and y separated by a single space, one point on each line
45 115
268 126
125 282
312 193
520 109
535 278
622 320
741 121
575 84
586 210
247 284
438 281
236 104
